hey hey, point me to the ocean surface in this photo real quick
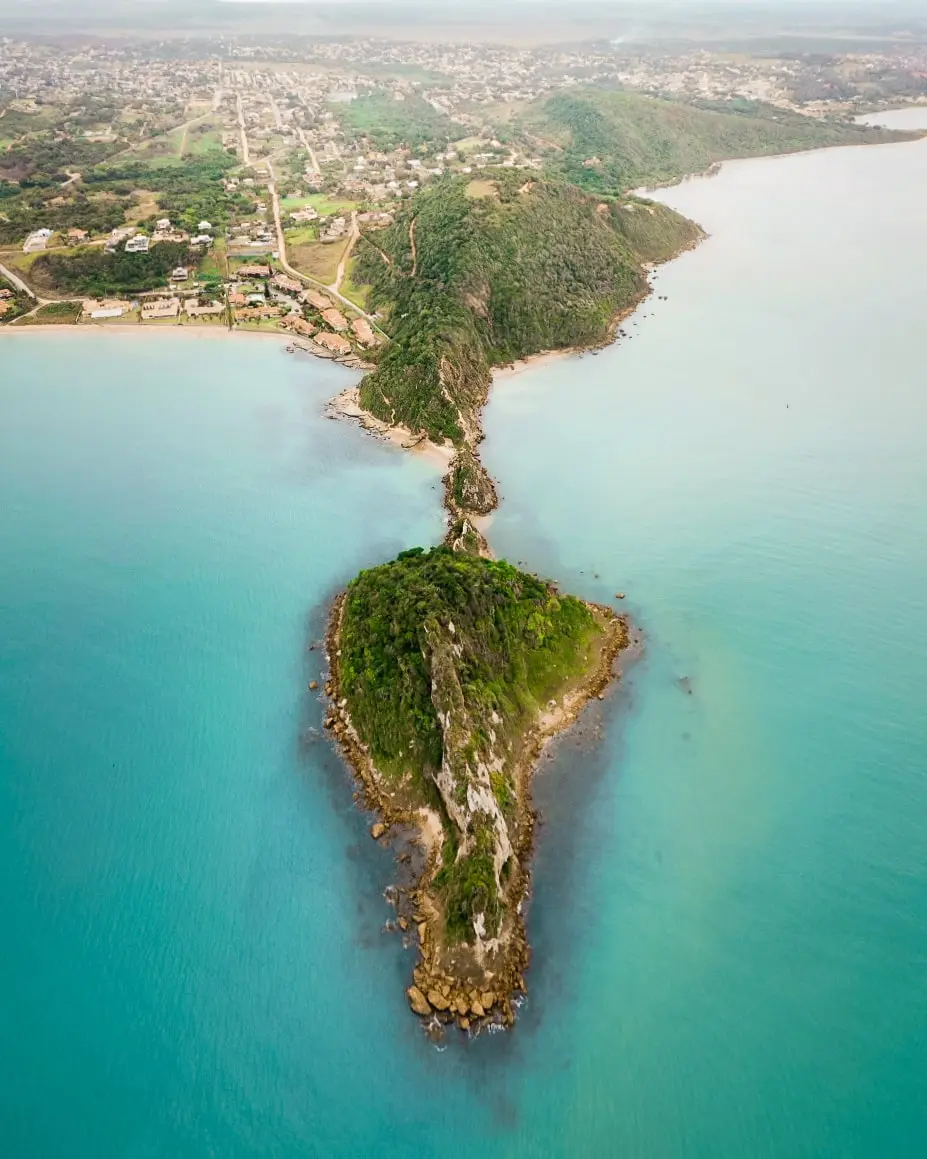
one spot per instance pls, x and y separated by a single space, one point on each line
730 913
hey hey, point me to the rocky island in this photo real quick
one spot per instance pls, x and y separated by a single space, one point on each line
449 671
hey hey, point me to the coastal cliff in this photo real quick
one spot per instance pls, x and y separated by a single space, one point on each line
448 673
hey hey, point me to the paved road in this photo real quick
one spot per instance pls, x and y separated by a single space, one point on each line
310 150
245 154
16 280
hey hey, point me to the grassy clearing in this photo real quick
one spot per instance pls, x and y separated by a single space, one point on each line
305 235
317 260
482 189
146 205
54 314
356 291
202 139
215 264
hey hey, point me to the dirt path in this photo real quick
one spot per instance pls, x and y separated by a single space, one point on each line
316 168
345 257
281 250
412 246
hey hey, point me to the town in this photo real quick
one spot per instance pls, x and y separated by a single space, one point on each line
227 184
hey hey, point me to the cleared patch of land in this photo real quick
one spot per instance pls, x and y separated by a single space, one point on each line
315 258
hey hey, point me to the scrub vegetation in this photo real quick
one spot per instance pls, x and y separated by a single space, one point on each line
389 124
446 660
609 142
467 283
93 273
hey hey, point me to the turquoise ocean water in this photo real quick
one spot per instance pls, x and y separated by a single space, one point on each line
730 917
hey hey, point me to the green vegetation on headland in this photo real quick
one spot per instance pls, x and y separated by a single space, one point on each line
93 273
467 283
608 142
445 663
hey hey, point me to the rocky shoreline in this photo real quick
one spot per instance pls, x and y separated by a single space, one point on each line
440 995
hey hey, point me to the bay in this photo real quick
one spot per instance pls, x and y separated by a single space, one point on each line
730 880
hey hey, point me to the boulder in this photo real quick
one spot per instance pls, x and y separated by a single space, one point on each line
438 1001
377 830
487 999
313 684
476 1009
418 1001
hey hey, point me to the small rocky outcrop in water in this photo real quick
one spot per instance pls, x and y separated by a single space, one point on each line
448 671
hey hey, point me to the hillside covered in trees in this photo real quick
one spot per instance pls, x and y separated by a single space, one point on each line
608 142
475 274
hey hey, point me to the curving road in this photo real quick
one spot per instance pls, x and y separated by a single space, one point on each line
281 250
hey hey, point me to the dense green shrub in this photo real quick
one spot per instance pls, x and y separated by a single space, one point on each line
516 639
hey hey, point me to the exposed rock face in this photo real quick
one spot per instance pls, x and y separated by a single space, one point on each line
469 486
418 1001
464 777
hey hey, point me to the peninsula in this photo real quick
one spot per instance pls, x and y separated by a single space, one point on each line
450 670
426 213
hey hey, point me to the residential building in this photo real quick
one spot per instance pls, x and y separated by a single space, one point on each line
210 309
335 319
161 308
364 333
335 342
315 299
282 282
36 241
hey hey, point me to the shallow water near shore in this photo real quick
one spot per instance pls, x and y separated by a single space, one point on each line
731 878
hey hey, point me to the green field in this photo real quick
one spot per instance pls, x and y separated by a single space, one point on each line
54 314
302 236
325 204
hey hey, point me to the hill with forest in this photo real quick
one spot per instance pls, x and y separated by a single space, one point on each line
608 142
476 274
